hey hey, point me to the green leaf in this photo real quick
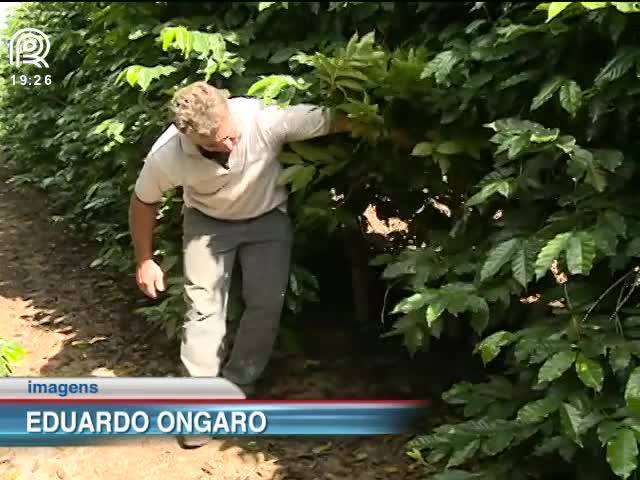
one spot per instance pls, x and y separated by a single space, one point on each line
555 8
499 256
590 372
353 73
450 148
615 222
208 44
566 143
422 149
581 251
478 80
619 357
555 366
491 346
581 161
633 248
480 317
10 354
606 430
272 86
618 65
382 259
177 37
523 263
302 178
350 84
632 391
550 252
409 304
517 79
537 411
547 91
311 152
504 189
288 173
436 327
143 76
441 66
596 178
497 443
434 310
545 136
290 158
571 97
551 445
502 186
183 40
413 338
571 420
622 453
609 159
627 7
282 55
594 5
264 5
464 454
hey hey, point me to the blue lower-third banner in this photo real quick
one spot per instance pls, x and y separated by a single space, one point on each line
74 421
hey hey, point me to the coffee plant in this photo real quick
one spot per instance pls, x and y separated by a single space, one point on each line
502 133
10 354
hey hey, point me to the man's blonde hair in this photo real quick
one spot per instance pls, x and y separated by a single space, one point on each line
198 108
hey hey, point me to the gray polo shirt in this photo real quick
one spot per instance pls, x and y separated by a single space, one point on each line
248 188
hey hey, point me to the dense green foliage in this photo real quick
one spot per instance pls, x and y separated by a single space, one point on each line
520 191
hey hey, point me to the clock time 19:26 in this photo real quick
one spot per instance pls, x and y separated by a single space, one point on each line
31 80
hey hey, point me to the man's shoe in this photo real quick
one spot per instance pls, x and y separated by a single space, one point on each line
193 441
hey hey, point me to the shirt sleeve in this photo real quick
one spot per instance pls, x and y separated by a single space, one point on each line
158 176
297 123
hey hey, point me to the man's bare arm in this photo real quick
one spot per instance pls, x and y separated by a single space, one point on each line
142 220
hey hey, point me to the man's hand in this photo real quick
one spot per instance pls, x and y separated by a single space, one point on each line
150 278
342 123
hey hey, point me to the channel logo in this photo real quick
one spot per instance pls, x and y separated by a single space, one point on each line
29 46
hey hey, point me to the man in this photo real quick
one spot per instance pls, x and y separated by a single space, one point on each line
223 152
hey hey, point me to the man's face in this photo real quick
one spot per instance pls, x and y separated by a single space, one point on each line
223 140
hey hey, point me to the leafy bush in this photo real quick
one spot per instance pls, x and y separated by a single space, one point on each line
10 354
519 192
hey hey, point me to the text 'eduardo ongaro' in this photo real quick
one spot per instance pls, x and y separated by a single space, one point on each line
167 421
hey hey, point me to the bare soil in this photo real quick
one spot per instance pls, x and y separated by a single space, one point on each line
75 321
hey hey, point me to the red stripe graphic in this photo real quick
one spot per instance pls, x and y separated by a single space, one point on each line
336 403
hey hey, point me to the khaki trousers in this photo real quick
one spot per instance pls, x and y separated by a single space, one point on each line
263 248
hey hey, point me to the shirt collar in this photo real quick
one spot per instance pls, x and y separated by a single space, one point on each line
188 146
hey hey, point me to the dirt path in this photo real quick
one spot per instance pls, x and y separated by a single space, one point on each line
75 322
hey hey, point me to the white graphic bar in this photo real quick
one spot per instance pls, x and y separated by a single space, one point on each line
194 388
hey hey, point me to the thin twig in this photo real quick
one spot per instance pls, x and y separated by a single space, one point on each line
614 315
606 292
626 298
384 302
566 296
